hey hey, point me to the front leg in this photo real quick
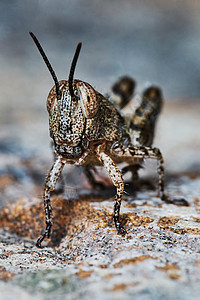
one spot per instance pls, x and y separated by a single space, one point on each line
117 180
50 185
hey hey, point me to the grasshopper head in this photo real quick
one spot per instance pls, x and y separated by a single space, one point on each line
69 104
68 114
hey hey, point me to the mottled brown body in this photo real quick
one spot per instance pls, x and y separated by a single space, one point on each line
88 130
122 91
144 119
142 123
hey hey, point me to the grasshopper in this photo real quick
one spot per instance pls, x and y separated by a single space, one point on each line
87 129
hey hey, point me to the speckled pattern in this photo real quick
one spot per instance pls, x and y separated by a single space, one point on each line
86 128
159 256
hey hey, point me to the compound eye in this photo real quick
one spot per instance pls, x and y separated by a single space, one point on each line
88 99
76 92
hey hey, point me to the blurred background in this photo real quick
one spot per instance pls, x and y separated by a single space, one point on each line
154 41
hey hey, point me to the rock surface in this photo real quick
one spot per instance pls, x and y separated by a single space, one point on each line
85 258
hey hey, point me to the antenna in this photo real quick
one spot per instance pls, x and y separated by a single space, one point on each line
72 69
47 63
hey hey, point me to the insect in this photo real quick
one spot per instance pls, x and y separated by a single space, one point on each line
87 129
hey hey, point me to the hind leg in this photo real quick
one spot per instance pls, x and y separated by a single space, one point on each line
122 91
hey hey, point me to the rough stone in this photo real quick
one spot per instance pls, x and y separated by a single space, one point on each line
85 257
